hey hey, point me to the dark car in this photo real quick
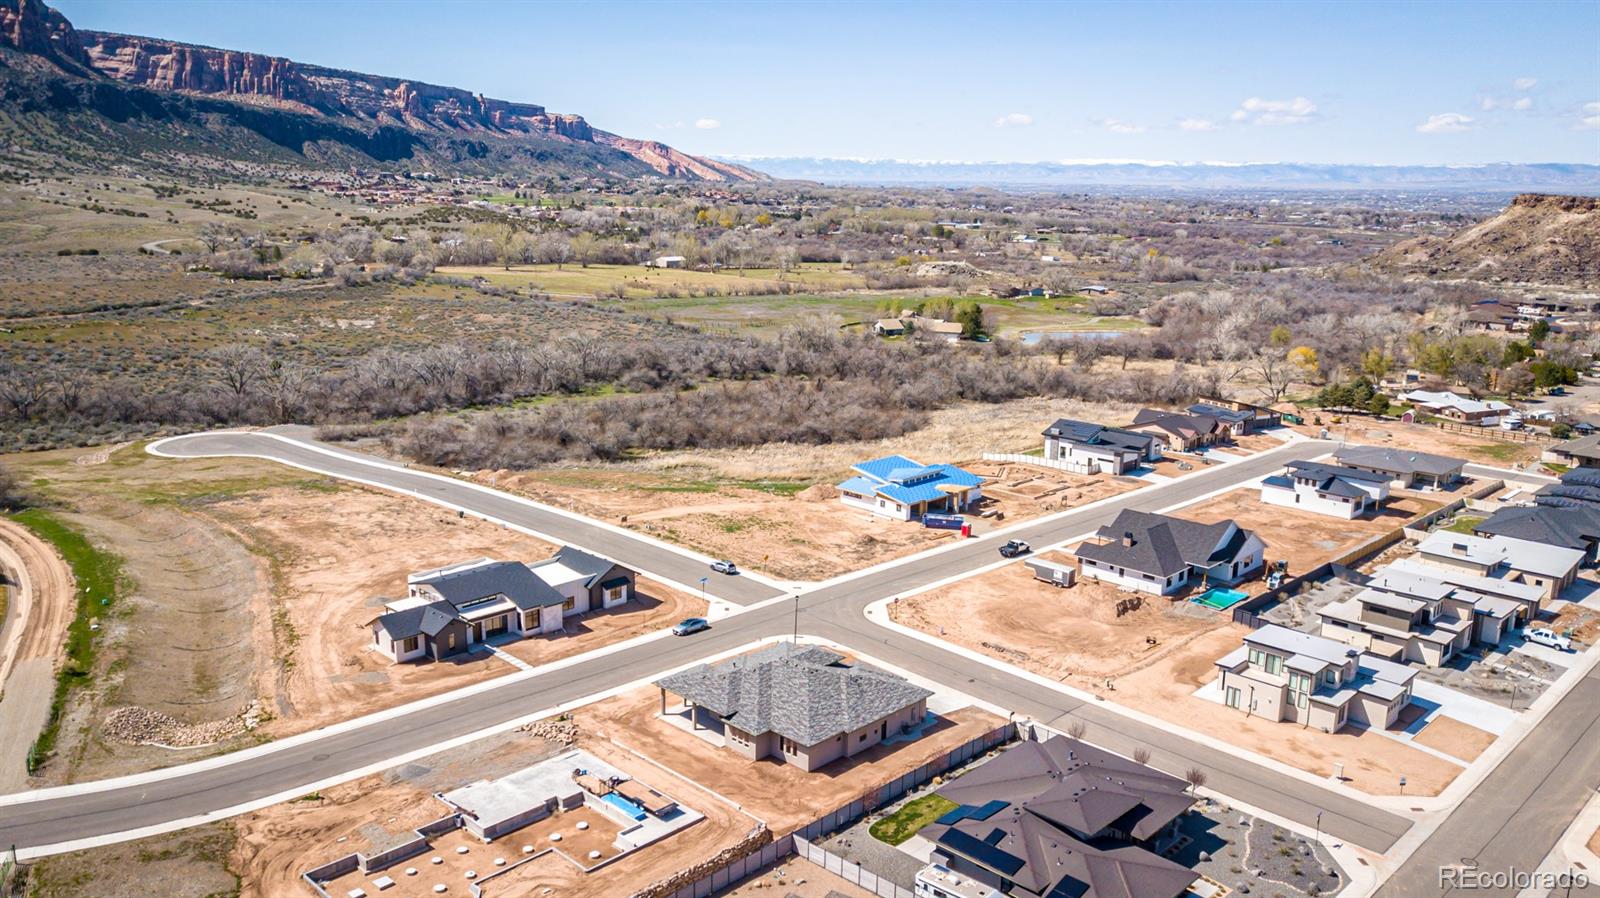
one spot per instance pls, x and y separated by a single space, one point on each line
1015 547
691 625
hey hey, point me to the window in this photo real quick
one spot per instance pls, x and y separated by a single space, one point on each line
616 593
1255 657
1330 677
569 604
1231 697
409 644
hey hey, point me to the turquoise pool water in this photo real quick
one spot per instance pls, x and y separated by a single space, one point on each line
1219 598
623 805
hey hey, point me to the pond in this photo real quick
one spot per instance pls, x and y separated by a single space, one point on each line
1039 336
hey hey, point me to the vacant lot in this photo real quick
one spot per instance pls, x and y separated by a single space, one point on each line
1426 438
1074 634
1304 539
1454 738
784 796
1372 762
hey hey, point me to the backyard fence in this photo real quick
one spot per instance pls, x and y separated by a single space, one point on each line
1039 460
1495 433
800 841
850 871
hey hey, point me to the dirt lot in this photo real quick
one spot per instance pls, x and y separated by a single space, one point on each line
793 530
1073 634
1305 539
335 559
1426 438
1454 738
784 796
1372 762
793 877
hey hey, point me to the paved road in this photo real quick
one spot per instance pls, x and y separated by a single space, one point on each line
1516 816
834 612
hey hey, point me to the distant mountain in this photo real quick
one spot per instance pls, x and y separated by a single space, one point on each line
118 93
1507 177
1538 239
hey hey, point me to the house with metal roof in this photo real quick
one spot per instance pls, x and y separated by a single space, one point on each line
1548 568
1407 468
1084 447
1456 407
897 487
1058 818
1402 615
800 704
1158 554
1286 675
449 610
1333 490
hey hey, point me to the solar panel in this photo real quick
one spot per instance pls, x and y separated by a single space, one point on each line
955 815
981 852
988 809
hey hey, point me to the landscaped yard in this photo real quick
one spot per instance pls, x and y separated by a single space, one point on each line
912 816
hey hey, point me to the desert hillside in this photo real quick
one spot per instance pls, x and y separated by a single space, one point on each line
1539 238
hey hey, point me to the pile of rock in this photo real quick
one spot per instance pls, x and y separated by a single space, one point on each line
143 726
560 730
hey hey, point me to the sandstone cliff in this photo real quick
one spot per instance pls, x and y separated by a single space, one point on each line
461 119
1538 239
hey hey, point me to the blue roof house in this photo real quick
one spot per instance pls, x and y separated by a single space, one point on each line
897 487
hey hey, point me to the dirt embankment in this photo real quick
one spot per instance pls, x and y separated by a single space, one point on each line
39 599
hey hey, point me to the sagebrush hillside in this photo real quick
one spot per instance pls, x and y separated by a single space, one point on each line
1538 239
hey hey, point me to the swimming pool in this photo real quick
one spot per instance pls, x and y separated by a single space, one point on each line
1219 599
623 805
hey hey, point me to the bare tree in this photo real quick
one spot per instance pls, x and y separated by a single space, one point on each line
1141 755
12 494
238 368
24 389
212 236
1195 777
1076 729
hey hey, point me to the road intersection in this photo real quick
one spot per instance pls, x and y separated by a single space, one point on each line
834 611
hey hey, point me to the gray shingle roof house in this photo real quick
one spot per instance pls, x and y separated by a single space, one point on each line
1160 554
1410 468
1583 452
1061 818
1575 527
801 704
448 610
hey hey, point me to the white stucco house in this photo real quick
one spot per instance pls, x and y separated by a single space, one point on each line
1157 554
1333 490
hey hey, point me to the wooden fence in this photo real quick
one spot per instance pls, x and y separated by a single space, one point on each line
1496 433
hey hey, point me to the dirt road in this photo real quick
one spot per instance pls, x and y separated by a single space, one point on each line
37 614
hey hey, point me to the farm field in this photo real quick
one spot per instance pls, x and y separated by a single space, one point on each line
634 281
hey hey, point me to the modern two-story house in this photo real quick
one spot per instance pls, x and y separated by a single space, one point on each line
1549 568
1405 616
1333 490
448 610
1286 675
1158 554
1088 448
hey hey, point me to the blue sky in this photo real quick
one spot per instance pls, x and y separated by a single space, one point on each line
1239 82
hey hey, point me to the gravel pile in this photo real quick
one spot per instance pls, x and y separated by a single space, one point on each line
563 731
142 726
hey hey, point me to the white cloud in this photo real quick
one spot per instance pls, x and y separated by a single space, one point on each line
1525 83
1589 118
1118 126
1522 103
1197 124
1014 120
1446 123
1297 111
707 124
